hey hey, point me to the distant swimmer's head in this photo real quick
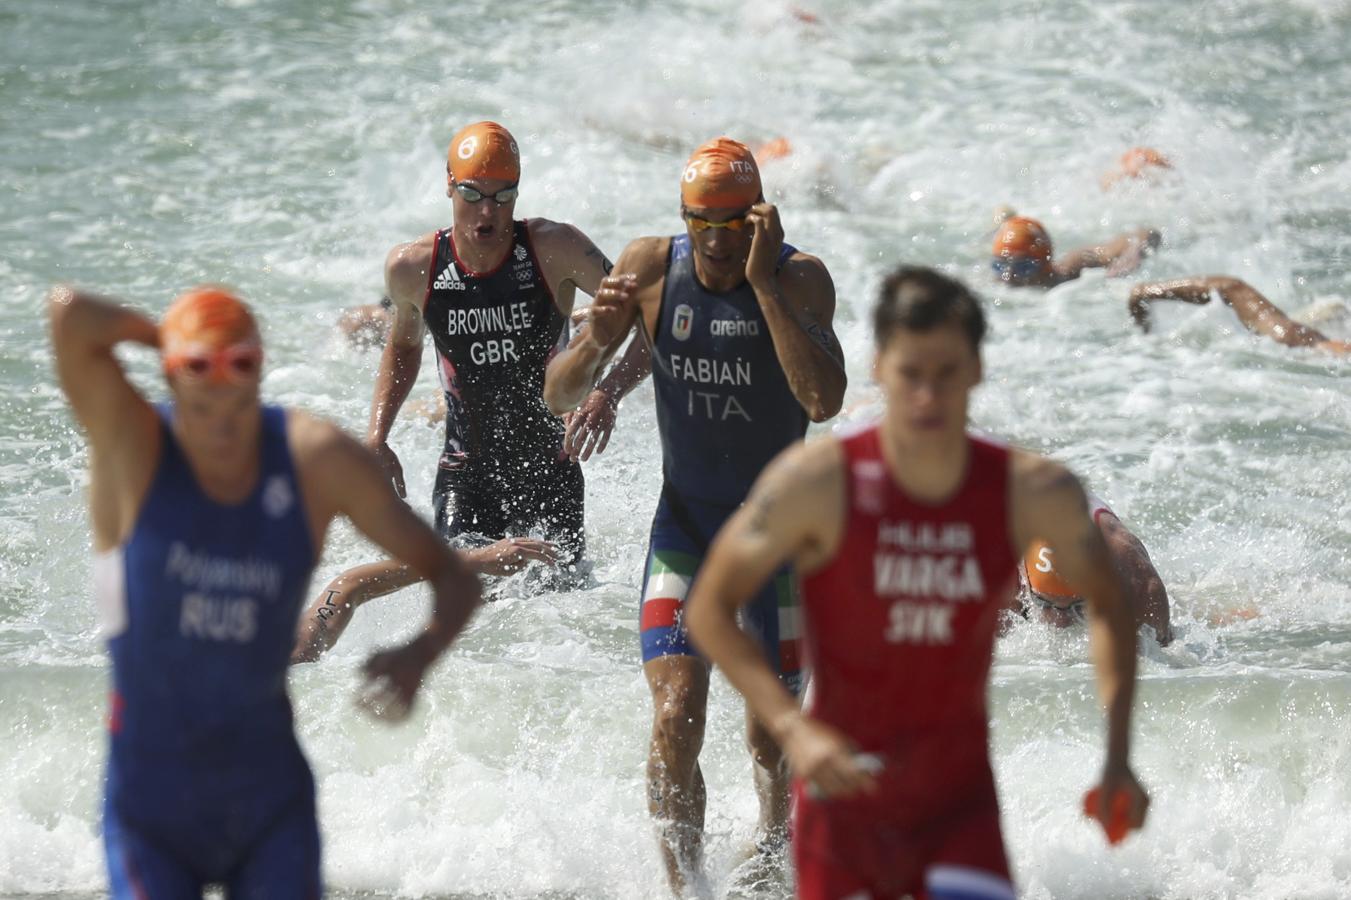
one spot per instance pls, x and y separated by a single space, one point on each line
483 174
1021 253
209 336
776 148
719 185
1137 161
1048 596
928 330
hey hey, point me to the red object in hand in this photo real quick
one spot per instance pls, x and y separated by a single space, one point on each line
1117 825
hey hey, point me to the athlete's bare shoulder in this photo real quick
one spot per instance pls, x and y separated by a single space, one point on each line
406 268
645 258
546 234
1045 497
801 495
316 441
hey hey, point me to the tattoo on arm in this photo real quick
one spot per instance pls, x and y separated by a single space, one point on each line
761 508
330 607
823 337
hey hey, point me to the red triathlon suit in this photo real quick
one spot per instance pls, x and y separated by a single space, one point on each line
900 629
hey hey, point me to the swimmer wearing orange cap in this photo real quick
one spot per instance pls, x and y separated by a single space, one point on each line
1139 163
1258 314
496 293
743 355
216 482
1046 597
1022 253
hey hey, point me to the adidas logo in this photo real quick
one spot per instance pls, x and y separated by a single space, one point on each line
448 280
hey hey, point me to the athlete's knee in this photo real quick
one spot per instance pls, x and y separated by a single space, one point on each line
678 721
765 751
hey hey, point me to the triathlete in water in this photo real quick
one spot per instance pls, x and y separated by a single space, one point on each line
1044 596
1022 254
743 357
1137 164
495 293
906 534
1257 314
208 514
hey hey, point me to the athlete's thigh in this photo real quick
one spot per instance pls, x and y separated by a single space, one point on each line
284 865
970 862
462 507
773 618
141 869
673 558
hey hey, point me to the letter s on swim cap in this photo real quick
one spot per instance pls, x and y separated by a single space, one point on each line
721 174
1041 574
484 150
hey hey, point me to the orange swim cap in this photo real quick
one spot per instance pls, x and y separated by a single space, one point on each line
721 174
1019 237
484 150
1042 576
209 317
1135 160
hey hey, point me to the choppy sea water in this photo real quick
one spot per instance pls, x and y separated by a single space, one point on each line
283 147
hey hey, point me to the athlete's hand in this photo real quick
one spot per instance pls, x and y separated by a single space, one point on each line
1119 803
823 757
611 313
589 426
394 676
762 263
389 461
511 555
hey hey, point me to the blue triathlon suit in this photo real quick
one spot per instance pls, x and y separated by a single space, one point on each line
724 410
206 782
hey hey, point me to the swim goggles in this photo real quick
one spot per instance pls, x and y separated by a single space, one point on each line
1077 609
699 225
1016 268
236 364
471 194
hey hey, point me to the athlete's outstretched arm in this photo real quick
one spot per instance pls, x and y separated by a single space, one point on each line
572 374
405 283
331 612
589 426
122 427
1257 314
1120 255
1049 503
798 302
1139 578
794 513
344 478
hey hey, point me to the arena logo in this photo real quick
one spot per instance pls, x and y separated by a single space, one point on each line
734 328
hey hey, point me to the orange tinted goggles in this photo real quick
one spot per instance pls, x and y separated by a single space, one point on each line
236 364
698 224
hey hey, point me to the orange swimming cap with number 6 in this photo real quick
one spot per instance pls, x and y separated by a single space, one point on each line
484 150
1041 574
721 174
208 317
1019 237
